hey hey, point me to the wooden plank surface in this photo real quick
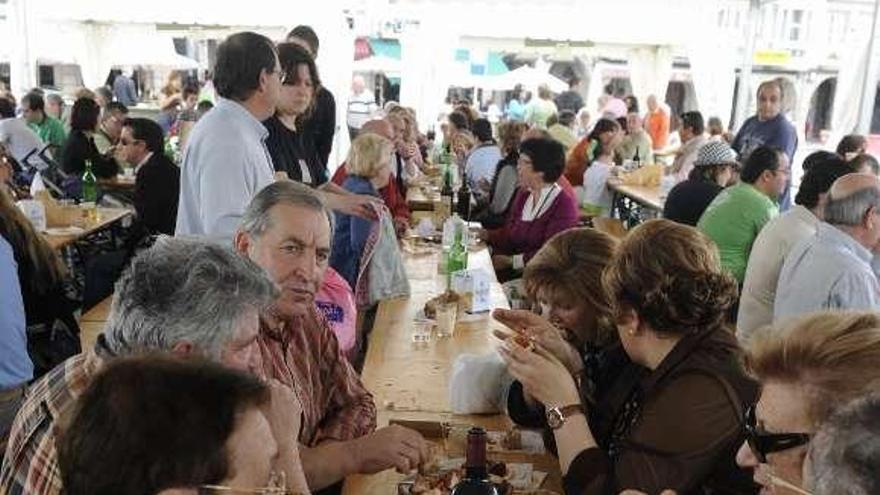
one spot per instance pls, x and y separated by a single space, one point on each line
647 196
422 198
411 381
106 218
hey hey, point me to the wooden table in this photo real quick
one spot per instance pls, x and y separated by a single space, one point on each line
411 382
106 218
92 323
634 204
118 183
422 198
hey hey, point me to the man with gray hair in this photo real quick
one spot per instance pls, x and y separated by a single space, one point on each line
832 269
845 452
287 229
184 297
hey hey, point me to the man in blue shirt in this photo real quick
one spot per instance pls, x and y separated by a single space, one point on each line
769 127
832 269
16 368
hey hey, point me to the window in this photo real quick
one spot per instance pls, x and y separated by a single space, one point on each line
796 25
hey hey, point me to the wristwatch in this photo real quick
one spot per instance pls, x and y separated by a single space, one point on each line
556 416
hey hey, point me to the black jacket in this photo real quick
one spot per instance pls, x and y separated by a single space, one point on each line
321 124
80 148
156 191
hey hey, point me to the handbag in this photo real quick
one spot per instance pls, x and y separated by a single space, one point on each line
381 274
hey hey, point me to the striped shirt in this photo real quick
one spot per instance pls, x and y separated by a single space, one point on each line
303 353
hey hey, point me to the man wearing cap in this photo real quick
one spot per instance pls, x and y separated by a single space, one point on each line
712 170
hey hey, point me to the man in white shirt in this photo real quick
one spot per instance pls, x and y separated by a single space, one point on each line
832 269
361 105
15 135
226 161
780 235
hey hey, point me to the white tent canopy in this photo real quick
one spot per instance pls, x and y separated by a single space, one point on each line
378 63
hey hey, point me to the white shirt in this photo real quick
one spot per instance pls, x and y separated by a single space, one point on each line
596 191
361 108
481 165
225 164
143 162
20 140
769 252
830 270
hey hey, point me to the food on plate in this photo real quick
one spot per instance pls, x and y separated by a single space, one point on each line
445 298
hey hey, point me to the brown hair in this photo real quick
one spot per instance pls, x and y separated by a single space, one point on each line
832 355
148 424
670 275
568 268
409 122
39 266
510 135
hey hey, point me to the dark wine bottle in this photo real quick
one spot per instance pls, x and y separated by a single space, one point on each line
464 201
476 472
637 162
447 194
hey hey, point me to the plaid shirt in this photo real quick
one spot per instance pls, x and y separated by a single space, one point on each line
302 353
30 465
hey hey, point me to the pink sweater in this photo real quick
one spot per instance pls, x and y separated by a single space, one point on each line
526 238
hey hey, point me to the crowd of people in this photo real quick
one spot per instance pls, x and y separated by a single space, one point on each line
724 347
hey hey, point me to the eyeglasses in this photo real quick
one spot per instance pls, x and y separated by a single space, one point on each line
126 142
762 443
277 485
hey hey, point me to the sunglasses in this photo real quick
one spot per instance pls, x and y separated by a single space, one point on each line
763 443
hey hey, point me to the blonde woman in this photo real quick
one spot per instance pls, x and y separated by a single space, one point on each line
369 169
806 369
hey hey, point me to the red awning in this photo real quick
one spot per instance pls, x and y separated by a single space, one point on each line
362 49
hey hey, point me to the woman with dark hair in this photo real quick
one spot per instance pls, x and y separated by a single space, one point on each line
632 104
852 146
540 210
482 161
80 145
582 155
157 425
674 420
294 152
505 180
43 277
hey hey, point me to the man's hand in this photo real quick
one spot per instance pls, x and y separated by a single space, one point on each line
390 447
501 262
359 205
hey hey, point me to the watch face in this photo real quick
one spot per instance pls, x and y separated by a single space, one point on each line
554 418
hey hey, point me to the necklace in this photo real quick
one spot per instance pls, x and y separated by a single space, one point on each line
536 211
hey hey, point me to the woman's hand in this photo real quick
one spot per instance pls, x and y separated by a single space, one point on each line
542 375
544 333
359 205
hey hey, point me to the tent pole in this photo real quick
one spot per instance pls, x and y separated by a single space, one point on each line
869 83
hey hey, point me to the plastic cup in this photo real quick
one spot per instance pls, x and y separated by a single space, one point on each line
447 313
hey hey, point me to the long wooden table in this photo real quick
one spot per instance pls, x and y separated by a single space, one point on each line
412 383
106 218
92 323
635 204
422 198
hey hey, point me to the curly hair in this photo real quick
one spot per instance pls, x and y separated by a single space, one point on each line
568 270
671 276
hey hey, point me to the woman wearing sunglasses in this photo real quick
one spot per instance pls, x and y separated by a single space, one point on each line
673 421
806 369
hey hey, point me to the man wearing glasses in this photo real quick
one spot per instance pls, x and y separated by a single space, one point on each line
157 179
226 161
738 213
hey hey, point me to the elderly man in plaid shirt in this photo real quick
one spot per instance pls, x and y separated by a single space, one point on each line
287 230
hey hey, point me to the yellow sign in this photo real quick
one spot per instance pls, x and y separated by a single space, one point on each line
772 57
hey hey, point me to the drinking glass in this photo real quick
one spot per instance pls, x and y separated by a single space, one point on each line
446 316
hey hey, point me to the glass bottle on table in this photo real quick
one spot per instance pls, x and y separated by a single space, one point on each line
476 470
637 162
90 193
464 200
447 197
